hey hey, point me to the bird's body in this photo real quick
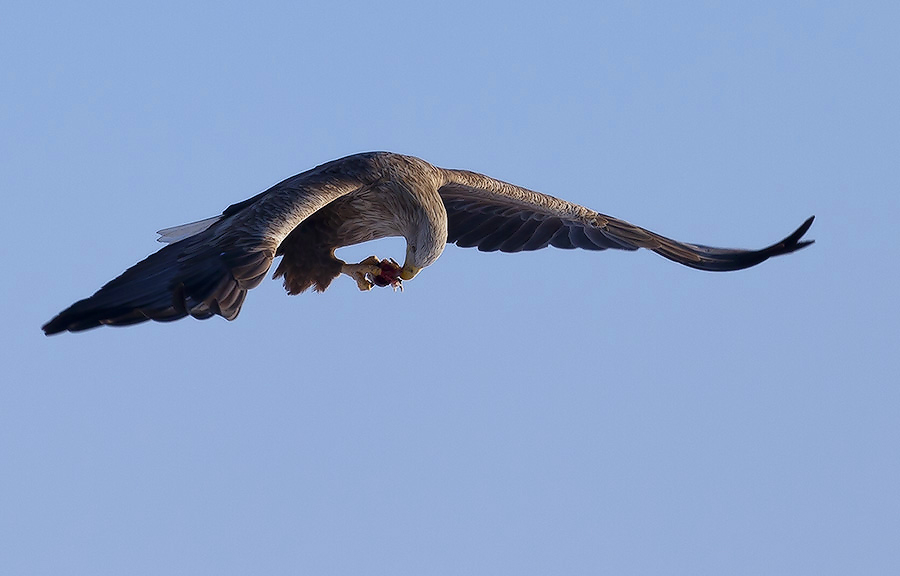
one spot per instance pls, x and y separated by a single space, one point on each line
209 266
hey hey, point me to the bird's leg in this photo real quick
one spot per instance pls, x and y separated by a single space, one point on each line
372 271
370 267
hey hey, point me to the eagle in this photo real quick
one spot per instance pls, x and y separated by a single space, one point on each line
208 266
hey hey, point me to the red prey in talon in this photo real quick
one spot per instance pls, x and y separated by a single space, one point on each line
374 272
390 274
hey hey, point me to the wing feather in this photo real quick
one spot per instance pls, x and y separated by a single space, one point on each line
542 234
209 270
507 228
561 239
605 240
478 230
516 241
486 213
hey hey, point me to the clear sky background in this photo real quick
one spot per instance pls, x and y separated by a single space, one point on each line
557 412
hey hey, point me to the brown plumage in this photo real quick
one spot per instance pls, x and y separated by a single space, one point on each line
209 266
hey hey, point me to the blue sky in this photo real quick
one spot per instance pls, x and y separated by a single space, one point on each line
550 412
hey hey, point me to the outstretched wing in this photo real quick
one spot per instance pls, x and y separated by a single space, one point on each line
492 215
209 270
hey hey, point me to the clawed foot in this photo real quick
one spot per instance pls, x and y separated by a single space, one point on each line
390 274
374 272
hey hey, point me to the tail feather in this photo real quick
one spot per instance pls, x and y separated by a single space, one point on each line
201 276
176 233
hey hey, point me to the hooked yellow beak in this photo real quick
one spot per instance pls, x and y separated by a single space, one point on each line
409 272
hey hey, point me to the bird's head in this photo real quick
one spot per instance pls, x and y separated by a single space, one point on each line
412 265
422 249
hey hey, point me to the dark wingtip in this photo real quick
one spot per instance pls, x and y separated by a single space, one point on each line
52 327
56 325
726 259
792 243
64 322
802 230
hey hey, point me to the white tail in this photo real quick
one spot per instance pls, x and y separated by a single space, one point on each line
176 233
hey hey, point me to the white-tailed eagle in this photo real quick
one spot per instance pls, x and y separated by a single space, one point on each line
208 266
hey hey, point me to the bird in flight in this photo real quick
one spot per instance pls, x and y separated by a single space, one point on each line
208 266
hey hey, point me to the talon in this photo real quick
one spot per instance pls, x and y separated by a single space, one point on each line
390 274
363 272
395 283
374 272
